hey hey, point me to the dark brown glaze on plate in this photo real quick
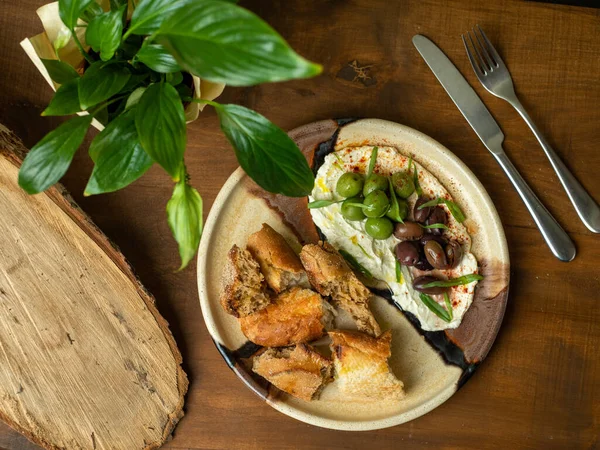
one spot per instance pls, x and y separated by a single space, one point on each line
465 346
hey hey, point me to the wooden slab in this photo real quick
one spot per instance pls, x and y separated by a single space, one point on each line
86 360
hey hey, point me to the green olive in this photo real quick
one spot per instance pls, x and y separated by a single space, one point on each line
350 184
403 184
374 183
352 212
379 227
377 203
398 212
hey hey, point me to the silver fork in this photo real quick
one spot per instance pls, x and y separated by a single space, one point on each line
495 78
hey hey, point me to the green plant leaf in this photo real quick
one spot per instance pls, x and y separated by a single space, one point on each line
160 122
59 71
174 78
394 208
135 81
103 33
149 14
448 306
184 91
62 39
65 100
452 207
399 277
102 116
322 203
372 161
157 58
224 43
117 4
434 225
100 82
465 279
418 189
70 10
49 159
455 211
119 156
129 47
184 214
134 97
265 151
93 10
436 308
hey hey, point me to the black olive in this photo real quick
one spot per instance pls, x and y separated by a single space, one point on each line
435 255
409 231
438 215
454 253
421 215
432 237
423 264
419 282
407 253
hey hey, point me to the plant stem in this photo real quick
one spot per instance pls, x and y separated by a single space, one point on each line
87 57
147 41
93 111
208 102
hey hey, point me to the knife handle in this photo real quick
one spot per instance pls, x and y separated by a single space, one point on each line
557 239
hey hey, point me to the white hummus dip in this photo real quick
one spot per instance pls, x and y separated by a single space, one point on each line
377 256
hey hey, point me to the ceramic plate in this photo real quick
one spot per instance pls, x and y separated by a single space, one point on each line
432 365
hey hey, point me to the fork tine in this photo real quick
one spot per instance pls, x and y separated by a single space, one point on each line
476 68
488 59
484 67
491 48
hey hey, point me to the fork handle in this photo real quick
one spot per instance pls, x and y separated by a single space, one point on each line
557 239
587 209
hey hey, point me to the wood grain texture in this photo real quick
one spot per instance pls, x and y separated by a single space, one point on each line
539 386
87 361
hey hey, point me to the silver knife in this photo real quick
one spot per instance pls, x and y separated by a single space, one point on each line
482 122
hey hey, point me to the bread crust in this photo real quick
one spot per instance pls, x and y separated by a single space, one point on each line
377 348
323 265
331 276
300 370
361 366
279 263
295 316
244 286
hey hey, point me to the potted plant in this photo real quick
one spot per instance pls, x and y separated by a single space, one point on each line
142 61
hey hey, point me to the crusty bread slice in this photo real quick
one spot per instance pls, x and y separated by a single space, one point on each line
297 315
361 368
278 262
330 275
299 370
245 289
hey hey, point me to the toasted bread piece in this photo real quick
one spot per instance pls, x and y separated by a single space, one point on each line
297 315
278 262
300 370
245 289
361 368
330 275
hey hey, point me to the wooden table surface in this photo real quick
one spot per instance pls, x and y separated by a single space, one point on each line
540 385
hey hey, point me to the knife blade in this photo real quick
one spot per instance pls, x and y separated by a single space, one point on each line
461 93
487 129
